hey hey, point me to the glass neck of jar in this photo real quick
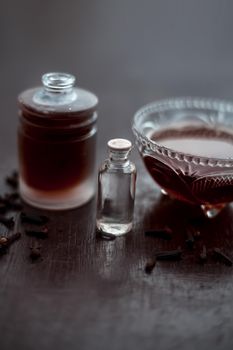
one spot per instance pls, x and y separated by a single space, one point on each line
58 89
119 158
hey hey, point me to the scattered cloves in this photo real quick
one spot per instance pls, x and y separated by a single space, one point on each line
3 207
14 237
13 180
12 201
33 219
150 265
42 234
35 253
8 222
16 206
13 196
163 232
222 257
196 234
172 255
5 242
190 241
203 255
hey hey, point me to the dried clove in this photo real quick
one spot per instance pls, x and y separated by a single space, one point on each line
42 234
173 255
13 180
203 255
3 245
35 253
163 232
8 222
222 257
14 237
33 219
196 234
13 196
3 207
150 266
190 241
16 206
10 201
5 242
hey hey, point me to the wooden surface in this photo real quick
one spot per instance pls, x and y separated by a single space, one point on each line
88 293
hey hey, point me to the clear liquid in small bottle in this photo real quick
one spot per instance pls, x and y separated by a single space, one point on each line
116 190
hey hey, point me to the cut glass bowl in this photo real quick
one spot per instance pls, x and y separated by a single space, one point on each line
187 147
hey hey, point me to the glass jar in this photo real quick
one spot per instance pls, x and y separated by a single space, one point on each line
56 143
116 190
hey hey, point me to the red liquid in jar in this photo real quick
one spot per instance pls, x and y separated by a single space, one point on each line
58 161
194 183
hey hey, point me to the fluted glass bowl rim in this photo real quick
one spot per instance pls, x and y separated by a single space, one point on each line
177 104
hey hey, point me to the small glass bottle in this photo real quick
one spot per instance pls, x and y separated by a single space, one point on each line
116 190
56 143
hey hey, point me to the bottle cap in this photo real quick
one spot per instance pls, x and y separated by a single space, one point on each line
119 145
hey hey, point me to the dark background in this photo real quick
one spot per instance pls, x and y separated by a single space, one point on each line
95 295
128 52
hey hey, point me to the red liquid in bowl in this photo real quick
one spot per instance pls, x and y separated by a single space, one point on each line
194 183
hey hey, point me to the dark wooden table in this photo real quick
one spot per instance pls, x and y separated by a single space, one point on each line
88 293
